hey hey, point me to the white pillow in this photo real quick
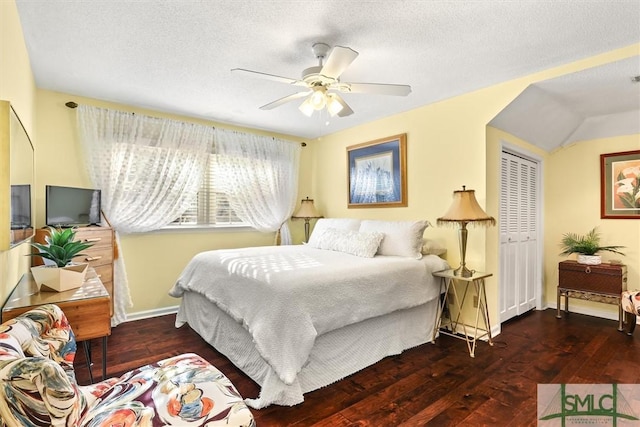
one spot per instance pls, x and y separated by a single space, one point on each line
401 238
431 247
338 223
358 243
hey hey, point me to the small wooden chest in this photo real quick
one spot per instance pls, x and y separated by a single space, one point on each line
603 278
599 283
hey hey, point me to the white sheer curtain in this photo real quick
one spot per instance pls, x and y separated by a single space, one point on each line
149 170
259 174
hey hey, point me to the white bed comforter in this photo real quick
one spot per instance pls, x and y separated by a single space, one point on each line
285 296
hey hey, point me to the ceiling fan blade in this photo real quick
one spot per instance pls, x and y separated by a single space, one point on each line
376 88
346 110
279 102
338 61
273 77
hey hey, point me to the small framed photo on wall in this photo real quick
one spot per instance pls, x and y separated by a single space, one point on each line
620 185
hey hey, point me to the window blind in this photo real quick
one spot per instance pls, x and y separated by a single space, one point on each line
211 207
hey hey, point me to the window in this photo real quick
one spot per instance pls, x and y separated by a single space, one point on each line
211 207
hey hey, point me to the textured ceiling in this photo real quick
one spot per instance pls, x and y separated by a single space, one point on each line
176 56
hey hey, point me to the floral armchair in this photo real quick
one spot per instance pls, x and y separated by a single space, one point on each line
630 301
38 386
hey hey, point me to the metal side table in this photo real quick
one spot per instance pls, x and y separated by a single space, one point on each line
453 325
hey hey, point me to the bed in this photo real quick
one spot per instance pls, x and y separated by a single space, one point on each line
297 318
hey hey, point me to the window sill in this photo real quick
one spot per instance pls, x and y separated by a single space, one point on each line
204 229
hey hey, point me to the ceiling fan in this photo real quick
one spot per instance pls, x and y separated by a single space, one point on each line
321 83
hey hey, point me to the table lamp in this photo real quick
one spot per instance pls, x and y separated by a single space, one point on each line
306 211
464 210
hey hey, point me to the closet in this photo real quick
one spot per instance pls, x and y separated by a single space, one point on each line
520 266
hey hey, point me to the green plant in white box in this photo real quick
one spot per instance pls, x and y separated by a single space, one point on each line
60 247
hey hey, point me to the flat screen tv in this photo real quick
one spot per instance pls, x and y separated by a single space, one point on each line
20 207
70 206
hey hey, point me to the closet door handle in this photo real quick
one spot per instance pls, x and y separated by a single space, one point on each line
93 239
92 258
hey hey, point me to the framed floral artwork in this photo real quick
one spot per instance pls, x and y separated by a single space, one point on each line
377 172
620 185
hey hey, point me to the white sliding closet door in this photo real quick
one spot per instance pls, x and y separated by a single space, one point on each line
519 263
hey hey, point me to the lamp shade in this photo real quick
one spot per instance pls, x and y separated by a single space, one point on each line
307 210
465 208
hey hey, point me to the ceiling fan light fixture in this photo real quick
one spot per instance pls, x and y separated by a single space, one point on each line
333 105
307 107
318 99
319 79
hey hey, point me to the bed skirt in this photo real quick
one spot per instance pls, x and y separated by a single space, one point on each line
335 355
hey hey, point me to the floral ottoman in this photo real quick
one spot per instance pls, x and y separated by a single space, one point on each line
630 301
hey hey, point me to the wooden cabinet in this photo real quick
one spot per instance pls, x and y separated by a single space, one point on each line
86 307
99 256
600 283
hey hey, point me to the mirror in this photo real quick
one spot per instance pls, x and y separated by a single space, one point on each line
22 182
19 189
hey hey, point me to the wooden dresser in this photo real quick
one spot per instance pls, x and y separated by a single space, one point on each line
600 283
99 256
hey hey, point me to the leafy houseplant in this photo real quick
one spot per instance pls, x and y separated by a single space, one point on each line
586 246
60 247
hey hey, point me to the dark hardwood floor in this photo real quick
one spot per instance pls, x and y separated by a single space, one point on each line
434 384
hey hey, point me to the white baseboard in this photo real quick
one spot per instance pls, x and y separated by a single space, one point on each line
139 315
586 310
589 311
495 329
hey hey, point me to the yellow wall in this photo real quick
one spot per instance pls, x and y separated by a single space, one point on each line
153 260
572 204
17 86
447 147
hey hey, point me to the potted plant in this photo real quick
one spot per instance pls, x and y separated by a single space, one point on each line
586 247
60 247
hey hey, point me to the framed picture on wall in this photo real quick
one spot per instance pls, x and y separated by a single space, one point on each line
377 173
620 185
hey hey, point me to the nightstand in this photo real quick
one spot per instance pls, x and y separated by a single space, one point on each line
453 326
600 283
88 309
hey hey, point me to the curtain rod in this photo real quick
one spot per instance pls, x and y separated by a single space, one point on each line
72 104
